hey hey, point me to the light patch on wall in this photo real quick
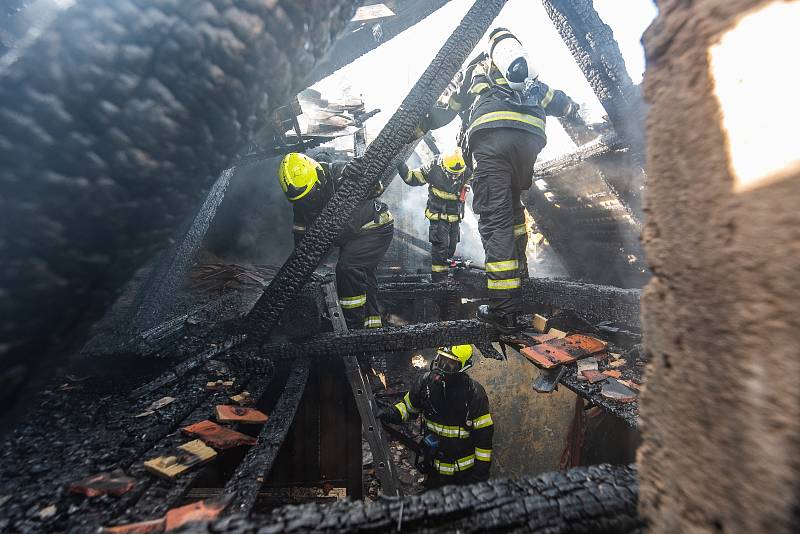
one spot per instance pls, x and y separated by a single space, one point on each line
756 83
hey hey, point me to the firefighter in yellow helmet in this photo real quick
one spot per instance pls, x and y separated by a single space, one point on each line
447 178
503 106
308 185
457 425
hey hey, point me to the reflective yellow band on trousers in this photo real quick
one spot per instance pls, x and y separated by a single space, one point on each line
433 216
498 266
483 455
446 430
462 464
353 302
508 283
482 421
443 194
439 268
507 116
372 321
520 230
298 228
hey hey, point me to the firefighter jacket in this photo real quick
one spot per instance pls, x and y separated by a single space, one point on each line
483 99
369 215
445 199
456 412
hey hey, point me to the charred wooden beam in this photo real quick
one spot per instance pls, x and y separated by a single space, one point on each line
594 302
387 339
597 53
609 143
362 174
600 498
243 487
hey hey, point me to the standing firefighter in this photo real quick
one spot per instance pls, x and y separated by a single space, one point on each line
503 107
447 178
457 423
308 185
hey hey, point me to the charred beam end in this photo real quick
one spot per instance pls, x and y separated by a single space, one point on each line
243 487
362 174
606 144
600 498
387 339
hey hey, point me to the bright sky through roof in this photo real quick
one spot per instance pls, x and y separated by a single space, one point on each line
384 76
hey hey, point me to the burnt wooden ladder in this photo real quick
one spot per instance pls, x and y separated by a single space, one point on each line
365 401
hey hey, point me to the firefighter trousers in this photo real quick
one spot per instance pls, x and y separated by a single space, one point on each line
356 283
444 237
503 160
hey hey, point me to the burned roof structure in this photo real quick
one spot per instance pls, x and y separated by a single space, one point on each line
125 126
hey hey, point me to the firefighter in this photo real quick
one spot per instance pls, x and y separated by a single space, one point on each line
447 177
308 185
457 425
503 106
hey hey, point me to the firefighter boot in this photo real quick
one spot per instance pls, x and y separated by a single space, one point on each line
505 322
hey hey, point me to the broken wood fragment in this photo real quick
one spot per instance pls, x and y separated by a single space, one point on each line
181 460
226 413
540 323
612 373
242 399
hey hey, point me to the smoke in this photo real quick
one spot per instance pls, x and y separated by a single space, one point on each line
254 222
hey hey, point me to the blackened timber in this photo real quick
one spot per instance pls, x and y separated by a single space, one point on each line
592 44
243 487
162 496
362 174
386 339
607 144
594 302
599 498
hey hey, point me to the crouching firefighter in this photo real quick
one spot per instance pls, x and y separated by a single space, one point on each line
447 178
457 425
503 105
308 185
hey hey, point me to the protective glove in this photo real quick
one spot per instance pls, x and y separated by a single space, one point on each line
402 170
572 110
389 414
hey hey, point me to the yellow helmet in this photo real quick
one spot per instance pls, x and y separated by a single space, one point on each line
453 359
453 162
298 174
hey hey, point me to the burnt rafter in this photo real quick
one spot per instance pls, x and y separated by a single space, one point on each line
597 53
387 339
600 498
360 177
242 488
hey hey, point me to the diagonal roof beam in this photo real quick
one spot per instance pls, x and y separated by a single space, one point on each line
361 176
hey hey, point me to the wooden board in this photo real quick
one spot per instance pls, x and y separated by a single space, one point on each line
185 457
226 413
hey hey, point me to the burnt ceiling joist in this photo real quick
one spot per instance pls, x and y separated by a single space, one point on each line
599 498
